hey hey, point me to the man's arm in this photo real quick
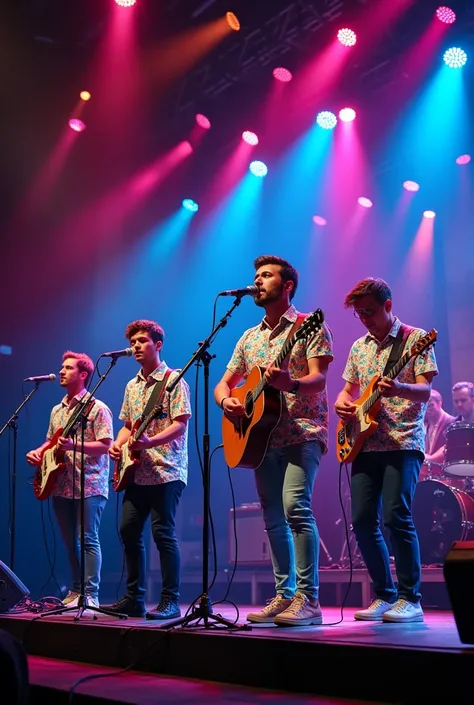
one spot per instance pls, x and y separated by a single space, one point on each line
311 383
418 392
344 406
230 405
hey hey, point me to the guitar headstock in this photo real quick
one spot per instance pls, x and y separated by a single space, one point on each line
310 325
424 342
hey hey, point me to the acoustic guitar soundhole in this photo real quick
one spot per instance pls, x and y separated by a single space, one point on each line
249 404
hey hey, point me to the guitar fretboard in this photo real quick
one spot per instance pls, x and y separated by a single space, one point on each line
396 369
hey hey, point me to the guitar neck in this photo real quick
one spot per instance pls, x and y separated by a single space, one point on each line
74 418
148 418
394 372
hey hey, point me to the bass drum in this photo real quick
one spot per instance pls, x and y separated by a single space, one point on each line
442 515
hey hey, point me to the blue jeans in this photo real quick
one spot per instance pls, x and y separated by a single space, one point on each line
387 479
67 513
284 483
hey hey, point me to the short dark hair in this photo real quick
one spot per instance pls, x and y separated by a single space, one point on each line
288 272
84 363
156 332
378 288
464 385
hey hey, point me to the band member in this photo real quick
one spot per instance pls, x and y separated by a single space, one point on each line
285 479
159 478
463 401
386 470
437 421
74 376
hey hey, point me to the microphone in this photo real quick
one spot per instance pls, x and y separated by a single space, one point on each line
246 291
127 352
41 378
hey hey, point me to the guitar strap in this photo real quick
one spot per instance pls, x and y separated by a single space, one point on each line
157 393
397 347
299 320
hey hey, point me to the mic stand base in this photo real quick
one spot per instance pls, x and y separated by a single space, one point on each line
80 609
203 611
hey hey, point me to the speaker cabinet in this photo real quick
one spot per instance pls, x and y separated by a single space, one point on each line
459 577
253 547
12 590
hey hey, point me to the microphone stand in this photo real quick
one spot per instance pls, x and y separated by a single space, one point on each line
12 424
82 605
203 609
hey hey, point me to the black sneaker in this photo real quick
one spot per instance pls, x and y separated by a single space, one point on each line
166 609
128 606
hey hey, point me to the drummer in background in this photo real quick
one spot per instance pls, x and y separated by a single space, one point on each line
463 401
437 421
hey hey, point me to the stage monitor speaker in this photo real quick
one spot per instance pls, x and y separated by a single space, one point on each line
459 577
12 590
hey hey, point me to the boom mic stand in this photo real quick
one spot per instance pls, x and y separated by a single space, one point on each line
203 609
82 603
12 424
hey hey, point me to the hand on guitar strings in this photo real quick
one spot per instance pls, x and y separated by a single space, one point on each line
232 407
142 443
345 410
65 443
278 378
115 451
389 387
33 457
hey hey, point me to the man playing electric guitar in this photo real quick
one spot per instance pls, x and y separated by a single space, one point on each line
285 478
74 376
386 470
160 475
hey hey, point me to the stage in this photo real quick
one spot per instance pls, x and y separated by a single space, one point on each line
389 663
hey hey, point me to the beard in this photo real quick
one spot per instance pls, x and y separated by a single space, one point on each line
270 297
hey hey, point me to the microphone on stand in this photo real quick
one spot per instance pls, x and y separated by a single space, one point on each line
246 291
41 378
126 352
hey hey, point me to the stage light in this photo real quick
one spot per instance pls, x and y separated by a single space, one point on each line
347 114
125 3
445 14
85 95
190 205
411 186
463 159
364 202
455 58
282 74
429 214
250 137
258 169
326 120
203 121
347 37
319 220
232 21
77 125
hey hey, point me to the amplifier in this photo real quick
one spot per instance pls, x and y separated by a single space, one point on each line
252 540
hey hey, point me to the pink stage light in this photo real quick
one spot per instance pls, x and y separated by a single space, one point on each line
282 74
411 186
347 114
445 14
125 3
429 214
203 121
77 125
347 37
463 159
250 137
319 220
365 202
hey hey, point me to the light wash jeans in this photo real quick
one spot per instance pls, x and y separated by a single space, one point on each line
67 513
284 483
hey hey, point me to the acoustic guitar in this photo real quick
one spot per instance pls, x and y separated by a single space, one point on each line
351 436
246 438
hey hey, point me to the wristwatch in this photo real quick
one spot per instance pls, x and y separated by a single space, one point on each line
295 387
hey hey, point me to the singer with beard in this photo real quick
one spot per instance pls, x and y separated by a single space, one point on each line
74 377
285 479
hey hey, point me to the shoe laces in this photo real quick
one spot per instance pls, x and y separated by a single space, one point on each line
272 603
297 603
164 604
402 606
376 603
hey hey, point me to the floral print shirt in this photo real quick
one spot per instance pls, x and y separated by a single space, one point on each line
401 422
304 416
167 462
96 468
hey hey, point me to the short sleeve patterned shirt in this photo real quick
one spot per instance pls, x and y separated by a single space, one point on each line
305 416
169 461
96 468
401 422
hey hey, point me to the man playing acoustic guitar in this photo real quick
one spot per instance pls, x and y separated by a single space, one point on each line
74 377
160 475
285 478
386 469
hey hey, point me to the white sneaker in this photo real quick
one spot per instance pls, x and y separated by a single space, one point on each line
374 611
404 611
274 607
91 602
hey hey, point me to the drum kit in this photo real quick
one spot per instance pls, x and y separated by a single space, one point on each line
443 505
